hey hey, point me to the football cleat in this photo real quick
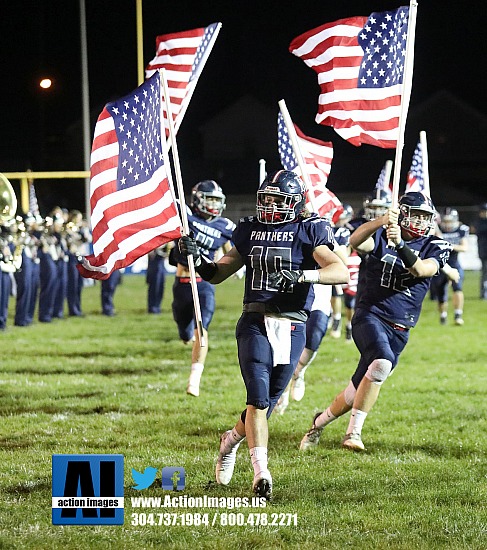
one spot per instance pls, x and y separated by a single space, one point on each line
262 485
312 436
348 334
225 463
459 320
353 442
336 328
298 386
193 387
282 404
443 320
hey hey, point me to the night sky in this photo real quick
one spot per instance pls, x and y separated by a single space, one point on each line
250 57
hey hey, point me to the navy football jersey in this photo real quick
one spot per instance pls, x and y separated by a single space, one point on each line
209 234
389 290
455 237
342 235
267 248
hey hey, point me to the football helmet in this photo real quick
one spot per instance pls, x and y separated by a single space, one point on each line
207 199
281 197
342 215
416 214
375 205
450 220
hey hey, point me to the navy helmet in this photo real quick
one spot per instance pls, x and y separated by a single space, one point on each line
376 204
417 214
449 220
207 199
289 197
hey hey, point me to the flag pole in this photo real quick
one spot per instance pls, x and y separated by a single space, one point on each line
189 95
140 42
424 154
405 97
261 170
297 152
182 204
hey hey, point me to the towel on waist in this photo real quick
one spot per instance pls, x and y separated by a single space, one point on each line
279 336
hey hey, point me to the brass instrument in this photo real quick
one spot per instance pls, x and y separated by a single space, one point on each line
8 200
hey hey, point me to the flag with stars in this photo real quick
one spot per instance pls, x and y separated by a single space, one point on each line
360 65
415 180
317 156
382 184
133 208
183 56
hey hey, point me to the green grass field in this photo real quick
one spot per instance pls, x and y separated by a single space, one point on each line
117 385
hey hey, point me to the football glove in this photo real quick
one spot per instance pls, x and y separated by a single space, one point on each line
285 280
188 247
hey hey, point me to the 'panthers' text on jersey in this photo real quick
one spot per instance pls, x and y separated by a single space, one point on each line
389 290
268 248
210 235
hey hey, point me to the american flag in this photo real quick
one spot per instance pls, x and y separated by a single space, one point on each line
415 179
317 156
382 184
132 204
360 64
183 56
33 204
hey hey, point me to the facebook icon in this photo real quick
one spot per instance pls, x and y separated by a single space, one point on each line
173 478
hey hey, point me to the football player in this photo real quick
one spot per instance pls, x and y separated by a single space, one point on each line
212 232
396 282
285 251
456 233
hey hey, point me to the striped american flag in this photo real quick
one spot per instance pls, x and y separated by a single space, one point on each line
317 156
183 56
415 177
360 65
132 203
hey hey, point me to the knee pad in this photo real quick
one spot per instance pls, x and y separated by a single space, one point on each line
349 394
378 371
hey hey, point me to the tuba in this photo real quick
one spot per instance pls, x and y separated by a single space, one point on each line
8 200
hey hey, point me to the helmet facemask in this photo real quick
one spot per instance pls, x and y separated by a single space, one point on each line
209 203
281 209
416 221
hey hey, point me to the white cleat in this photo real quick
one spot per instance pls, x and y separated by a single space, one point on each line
298 386
282 404
262 485
193 387
353 442
225 463
312 436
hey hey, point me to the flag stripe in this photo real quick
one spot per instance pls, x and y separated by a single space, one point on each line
359 62
183 56
132 203
317 156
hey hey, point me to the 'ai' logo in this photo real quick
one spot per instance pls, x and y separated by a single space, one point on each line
87 489
173 478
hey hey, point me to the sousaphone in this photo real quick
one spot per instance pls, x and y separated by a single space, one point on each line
8 200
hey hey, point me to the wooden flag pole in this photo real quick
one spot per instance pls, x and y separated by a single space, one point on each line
182 204
297 153
424 153
405 97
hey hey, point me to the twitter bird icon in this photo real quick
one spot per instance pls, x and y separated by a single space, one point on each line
142 481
